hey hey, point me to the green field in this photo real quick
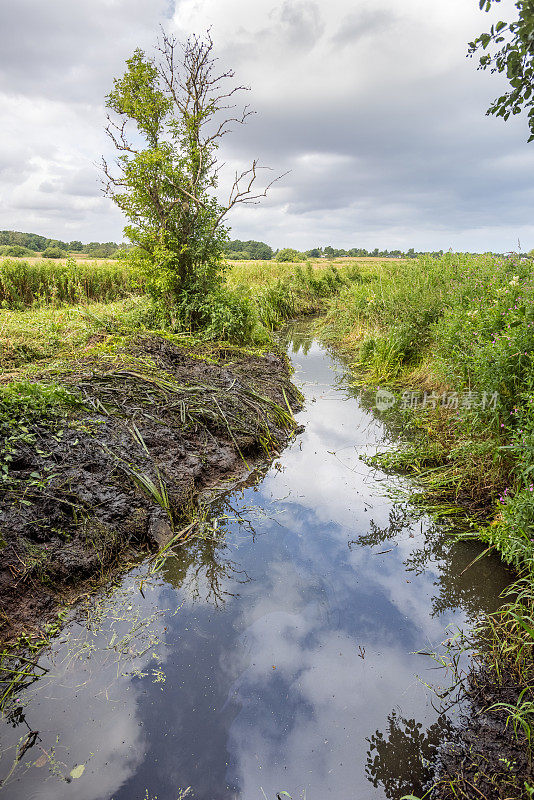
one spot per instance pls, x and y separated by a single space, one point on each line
52 309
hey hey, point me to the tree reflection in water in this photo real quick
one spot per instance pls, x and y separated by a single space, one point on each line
401 759
202 566
459 582
296 338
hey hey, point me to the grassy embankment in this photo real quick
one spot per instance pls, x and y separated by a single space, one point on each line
52 309
464 325
76 340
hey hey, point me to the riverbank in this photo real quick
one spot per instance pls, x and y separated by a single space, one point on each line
109 457
278 649
110 431
448 344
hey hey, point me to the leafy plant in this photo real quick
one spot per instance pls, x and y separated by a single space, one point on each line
168 171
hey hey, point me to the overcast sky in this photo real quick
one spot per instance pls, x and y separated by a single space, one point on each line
372 105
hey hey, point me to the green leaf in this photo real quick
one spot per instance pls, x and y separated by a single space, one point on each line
77 772
523 624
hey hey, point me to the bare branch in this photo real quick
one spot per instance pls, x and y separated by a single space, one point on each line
245 196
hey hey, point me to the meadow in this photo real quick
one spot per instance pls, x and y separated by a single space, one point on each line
52 309
35 282
451 338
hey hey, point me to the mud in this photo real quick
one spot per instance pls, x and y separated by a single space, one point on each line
159 425
484 757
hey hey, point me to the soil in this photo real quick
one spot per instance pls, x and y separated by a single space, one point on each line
483 757
159 416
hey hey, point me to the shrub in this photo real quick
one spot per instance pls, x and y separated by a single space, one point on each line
288 254
54 252
15 251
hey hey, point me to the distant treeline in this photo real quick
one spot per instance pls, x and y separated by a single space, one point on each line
236 250
38 244
248 251
361 252
252 250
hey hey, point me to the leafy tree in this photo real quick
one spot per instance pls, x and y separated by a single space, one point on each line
508 47
251 249
177 103
29 240
289 254
54 252
15 250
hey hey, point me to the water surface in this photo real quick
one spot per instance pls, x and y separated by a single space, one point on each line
278 655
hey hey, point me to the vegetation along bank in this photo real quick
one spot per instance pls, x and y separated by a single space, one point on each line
111 429
448 346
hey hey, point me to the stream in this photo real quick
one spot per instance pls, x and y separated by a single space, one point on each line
277 656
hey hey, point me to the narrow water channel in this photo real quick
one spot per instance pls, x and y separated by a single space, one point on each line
276 656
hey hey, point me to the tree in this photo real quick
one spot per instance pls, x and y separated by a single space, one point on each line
251 249
508 47
289 254
54 252
179 105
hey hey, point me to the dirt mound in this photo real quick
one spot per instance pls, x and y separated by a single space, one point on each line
159 423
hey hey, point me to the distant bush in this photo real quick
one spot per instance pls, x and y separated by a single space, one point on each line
54 252
249 250
289 254
15 251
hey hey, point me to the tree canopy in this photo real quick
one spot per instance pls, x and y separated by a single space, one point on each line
251 249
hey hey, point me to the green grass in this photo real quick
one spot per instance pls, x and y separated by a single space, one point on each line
37 283
48 331
456 324
461 324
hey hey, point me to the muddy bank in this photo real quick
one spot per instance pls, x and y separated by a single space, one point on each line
157 422
483 756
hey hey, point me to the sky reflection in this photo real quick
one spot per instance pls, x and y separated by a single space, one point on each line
265 660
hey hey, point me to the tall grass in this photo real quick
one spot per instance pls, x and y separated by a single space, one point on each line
463 324
466 324
32 283
25 284
57 331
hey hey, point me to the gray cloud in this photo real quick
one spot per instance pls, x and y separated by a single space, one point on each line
70 51
362 23
379 117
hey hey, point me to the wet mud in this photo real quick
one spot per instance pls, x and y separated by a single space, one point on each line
158 425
